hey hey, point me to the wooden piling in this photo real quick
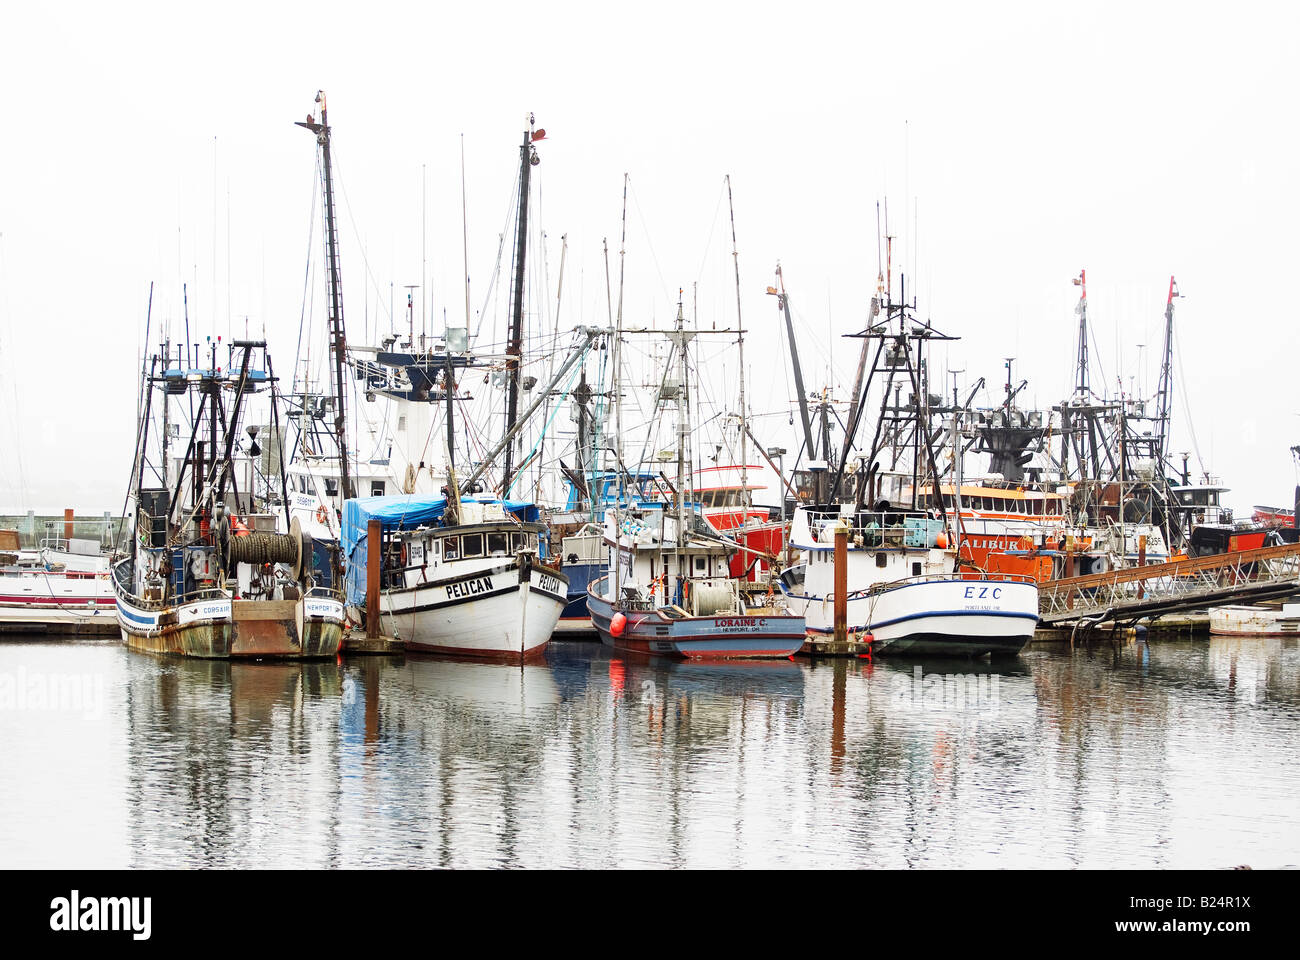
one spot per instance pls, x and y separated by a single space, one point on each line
1142 562
68 516
841 583
374 538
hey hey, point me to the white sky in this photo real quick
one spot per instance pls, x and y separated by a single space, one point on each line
1016 145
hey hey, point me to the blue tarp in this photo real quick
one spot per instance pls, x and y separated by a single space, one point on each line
399 513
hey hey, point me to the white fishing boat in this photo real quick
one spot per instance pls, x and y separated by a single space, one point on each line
905 594
465 582
64 585
1251 621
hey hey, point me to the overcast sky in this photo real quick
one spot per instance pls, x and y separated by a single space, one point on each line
1016 144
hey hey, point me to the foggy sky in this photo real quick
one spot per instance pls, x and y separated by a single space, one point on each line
1016 145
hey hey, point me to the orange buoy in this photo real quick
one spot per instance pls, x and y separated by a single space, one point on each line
617 625
941 541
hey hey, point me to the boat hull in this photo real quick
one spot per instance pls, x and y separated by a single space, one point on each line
721 637
221 628
1243 621
575 622
492 614
43 601
967 616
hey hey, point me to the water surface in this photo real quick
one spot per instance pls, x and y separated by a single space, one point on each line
1177 754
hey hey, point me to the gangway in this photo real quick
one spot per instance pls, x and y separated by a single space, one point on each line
1135 593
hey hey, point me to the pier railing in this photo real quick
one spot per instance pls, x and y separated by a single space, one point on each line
1135 592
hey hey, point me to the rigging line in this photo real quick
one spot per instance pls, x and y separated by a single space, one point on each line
645 227
659 394
308 273
707 243
501 243
1096 352
1187 407
338 178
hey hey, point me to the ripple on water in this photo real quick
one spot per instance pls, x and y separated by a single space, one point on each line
1172 755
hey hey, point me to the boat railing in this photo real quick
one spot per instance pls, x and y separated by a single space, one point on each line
201 595
633 597
873 529
972 576
326 593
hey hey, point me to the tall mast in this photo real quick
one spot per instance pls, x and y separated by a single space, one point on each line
681 338
527 159
618 339
1081 367
618 400
338 339
1166 381
740 332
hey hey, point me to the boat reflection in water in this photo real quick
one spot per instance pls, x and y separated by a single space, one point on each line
233 763
508 694
1142 755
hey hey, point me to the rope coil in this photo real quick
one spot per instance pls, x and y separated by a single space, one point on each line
264 548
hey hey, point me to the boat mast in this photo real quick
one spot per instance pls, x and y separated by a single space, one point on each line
740 328
618 401
528 158
338 339
1166 381
680 339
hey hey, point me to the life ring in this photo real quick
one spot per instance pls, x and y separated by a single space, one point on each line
322 515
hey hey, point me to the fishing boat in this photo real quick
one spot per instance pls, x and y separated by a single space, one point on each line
670 588
62 586
722 496
1256 621
670 592
466 580
900 586
206 575
905 592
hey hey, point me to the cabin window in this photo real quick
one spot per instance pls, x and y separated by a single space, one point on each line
376 488
472 545
699 564
916 569
451 548
331 487
498 544
518 542
882 560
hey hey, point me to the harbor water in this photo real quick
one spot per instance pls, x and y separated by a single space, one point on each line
1173 754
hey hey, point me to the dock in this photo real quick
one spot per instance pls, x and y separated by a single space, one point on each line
1177 588
828 646
356 642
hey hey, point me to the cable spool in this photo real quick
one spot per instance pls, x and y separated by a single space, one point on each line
710 600
260 548
265 548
